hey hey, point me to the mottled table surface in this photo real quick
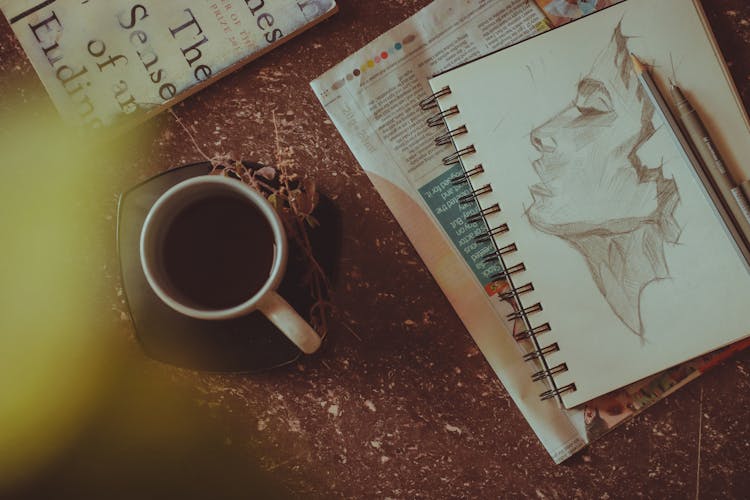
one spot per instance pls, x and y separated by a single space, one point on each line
400 403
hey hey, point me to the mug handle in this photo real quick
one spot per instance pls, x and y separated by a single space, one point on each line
286 319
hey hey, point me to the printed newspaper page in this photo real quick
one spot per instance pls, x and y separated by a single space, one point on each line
373 99
108 63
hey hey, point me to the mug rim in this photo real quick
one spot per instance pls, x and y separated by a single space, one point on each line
259 201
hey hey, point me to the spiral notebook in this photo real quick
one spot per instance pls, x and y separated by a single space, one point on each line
616 262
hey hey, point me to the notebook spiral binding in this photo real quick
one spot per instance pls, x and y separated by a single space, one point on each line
521 312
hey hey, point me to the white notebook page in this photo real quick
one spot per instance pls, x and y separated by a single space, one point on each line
626 253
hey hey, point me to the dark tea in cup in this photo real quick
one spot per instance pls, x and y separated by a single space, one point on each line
218 252
213 248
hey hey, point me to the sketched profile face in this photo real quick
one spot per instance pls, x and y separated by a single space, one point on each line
591 176
596 193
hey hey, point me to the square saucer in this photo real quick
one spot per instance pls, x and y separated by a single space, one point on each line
247 344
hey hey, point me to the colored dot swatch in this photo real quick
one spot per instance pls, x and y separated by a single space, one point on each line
377 59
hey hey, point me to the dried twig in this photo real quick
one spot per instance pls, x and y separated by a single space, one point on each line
295 200
187 131
295 205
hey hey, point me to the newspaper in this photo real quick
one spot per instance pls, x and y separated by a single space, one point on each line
115 63
372 97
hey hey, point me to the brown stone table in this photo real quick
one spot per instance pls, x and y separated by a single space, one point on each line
400 403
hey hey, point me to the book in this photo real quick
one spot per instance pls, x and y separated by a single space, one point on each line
114 64
372 108
615 262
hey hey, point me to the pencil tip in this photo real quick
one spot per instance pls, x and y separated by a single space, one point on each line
637 65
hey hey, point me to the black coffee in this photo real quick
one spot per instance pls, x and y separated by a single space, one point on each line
218 252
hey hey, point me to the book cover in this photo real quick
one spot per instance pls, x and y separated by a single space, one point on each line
114 64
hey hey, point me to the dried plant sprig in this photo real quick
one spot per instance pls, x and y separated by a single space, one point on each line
295 199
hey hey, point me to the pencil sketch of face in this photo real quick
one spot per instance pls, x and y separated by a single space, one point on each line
595 193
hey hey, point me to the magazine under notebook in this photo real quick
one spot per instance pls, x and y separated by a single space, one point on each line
628 261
